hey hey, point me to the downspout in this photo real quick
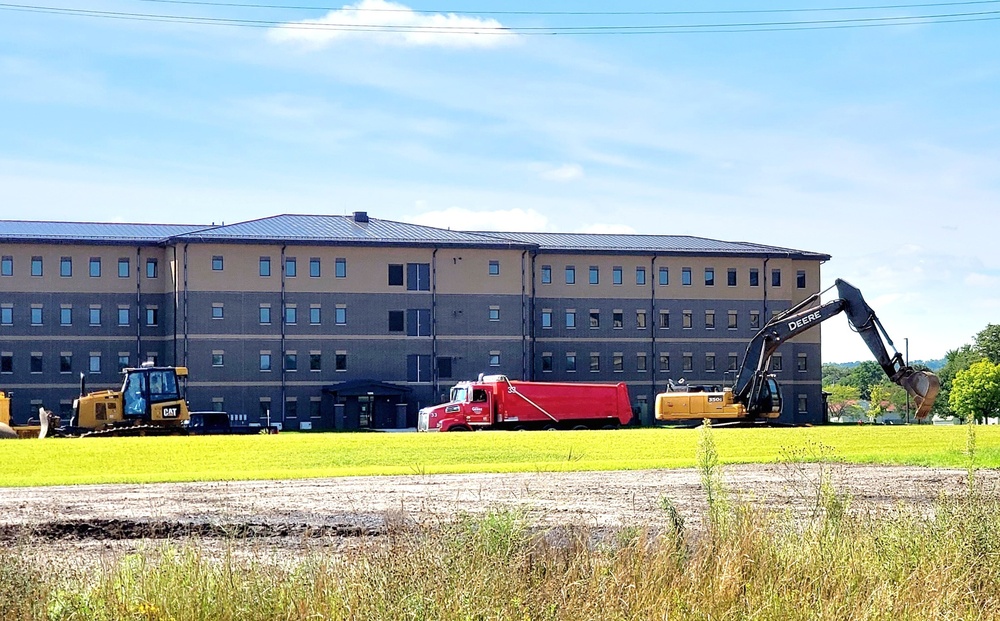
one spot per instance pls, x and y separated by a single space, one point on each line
138 306
765 318
281 321
185 306
434 370
653 324
526 371
532 305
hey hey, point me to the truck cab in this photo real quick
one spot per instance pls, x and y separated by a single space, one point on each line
470 404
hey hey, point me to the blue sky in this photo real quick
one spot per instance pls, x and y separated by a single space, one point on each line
876 145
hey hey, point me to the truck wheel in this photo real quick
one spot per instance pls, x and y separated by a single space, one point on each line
580 427
550 428
520 428
459 428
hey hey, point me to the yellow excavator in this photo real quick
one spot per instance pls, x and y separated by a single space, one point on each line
151 402
756 396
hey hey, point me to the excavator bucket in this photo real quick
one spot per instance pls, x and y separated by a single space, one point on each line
923 386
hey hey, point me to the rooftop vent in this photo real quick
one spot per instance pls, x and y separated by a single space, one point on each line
361 216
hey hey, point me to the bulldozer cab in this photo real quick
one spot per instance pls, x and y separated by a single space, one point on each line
152 390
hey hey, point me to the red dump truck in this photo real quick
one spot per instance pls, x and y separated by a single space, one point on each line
495 402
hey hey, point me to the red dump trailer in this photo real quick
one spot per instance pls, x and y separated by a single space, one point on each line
495 402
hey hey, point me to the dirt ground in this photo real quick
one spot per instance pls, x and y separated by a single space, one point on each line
92 522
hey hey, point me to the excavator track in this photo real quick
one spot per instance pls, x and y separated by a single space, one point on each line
121 432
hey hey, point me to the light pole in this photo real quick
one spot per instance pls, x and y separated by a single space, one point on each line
906 348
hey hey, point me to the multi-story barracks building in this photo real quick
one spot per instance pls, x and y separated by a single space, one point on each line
323 322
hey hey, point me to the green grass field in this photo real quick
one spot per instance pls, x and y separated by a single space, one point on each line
66 461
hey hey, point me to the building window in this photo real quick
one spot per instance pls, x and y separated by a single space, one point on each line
152 316
396 321
123 268
217 310
494 313
218 358
640 362
395 275
152 268
6 315
571 362
754 277
617 320
664 361
594 275
595 362
340 268
494 268
217 263
36 362
640 276
123 361
547 362
776 364
36 315
664 276
291 407
570 275
291 267
733 320
314 267
6 362
546 318
686 320
546 274
123 319
418 322
66 267
800 279
418 368
291 315
7 266
803 362
618 362
709 362
709 276
265 314
314 407
803 403
418 276
595 318
444 367
755 320
264 266
95 315
664 319
36 266
571 319
640 319
687 361
315 315
710 320
66 316
291 361
686 276
340 315
315 361
731 277
95 267
95 363
265 361
494 358
340 361
733 362
776 278
616 275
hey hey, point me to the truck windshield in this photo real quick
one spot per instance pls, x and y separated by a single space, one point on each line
459 394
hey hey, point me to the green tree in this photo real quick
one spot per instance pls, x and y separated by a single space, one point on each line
863 376
987 343
878 394
956 360
843 400
975 393
834 373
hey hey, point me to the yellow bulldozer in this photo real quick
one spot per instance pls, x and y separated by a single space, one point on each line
151 402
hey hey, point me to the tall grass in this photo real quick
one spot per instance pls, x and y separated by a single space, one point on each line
842 562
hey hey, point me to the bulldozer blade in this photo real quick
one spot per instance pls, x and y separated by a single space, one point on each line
6 433
923 386
43 423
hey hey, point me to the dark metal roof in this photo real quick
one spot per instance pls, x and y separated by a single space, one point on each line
648 244
343 230
98 232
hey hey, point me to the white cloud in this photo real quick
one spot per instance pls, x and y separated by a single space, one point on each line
458 218
566 172
394 24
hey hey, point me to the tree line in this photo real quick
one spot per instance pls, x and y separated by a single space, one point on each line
970 383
